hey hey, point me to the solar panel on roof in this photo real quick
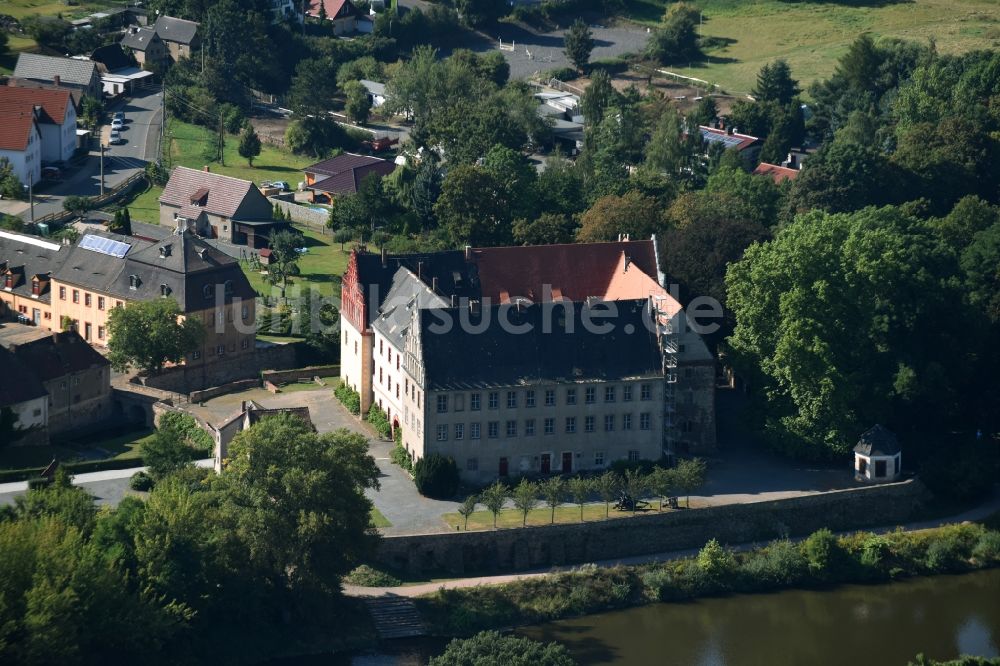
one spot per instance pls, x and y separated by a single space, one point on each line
107 246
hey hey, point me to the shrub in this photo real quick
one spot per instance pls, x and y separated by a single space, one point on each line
780 564
380 422
141 481
349 398
401 457
987 549
825 557
490 648
39 482
367 576
436 476
716 561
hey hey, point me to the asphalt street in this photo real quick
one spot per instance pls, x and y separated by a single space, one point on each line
141 140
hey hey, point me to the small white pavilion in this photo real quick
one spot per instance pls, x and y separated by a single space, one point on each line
877 457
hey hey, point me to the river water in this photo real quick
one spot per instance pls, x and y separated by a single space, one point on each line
881 625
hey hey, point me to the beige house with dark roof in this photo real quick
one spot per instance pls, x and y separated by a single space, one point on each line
26 267
180 36
145 46
217 206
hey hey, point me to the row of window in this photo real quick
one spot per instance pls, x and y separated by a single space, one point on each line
220 350
530 398
570 427
545 463
87 298
228 316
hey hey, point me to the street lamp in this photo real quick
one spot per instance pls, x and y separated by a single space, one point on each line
31 200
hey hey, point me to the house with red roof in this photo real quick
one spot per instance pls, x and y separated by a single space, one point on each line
343 174
217 206
55 114
778 174
21 143
343 14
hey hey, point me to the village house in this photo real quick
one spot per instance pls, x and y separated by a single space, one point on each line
249 415
778 174
286 10
76 378
343 174
26 267
21 144
104 271
747 146
343 14
145 46
376 92
217 206
79 76
180 36
548 399
55 115
26 398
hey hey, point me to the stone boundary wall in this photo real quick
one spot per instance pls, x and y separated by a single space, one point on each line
460 553
284 376
313 218
184 379
231 387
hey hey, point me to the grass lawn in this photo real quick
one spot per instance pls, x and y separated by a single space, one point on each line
188 144
121 447
320 267
146 206
483 520
296 387
378 520
812 35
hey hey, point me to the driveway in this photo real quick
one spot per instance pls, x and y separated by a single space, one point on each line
397 499
141 140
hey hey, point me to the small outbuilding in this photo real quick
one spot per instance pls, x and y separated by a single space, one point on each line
877 456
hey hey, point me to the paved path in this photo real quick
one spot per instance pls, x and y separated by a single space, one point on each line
985 509
141 139
109 486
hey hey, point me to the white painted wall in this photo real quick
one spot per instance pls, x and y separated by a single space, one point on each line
27 163
32 413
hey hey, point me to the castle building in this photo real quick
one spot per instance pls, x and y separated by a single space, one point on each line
515 360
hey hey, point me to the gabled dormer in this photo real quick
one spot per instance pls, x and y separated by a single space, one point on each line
40 284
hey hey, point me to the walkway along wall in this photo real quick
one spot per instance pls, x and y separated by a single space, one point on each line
539 547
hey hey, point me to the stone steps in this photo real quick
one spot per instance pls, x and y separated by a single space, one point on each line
395 617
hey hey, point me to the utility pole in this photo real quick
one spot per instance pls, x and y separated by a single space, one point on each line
102 168
31 201
163 121
222 140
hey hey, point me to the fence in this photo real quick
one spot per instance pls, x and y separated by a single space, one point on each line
109 196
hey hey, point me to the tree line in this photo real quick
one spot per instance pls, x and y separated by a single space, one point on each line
207 567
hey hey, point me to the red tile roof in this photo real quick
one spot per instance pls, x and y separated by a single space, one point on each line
15 129
578 270
54 103
225 194
775 172
334 8
345 172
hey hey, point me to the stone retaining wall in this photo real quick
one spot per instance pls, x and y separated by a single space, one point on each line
284 376
460 553
302 214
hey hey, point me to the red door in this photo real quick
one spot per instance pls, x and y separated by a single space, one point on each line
503 467
567 465
546 463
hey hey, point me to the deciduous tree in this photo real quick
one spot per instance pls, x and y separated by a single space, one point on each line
149 334
578 43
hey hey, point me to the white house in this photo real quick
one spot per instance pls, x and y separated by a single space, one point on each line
376 92
21 144
55 115
877 456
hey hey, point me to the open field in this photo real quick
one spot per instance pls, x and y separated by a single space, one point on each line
812 35
320 268
483 520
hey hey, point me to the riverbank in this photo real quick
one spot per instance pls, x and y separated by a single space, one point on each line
821 561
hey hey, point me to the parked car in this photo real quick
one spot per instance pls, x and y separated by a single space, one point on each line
51 173
119 115
117 124
281 185
115 137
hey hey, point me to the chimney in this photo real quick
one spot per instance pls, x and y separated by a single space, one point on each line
55 80
730 130
468 253
206 169
243 405
385 257
434 284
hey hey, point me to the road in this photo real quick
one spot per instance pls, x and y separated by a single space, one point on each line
141 135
